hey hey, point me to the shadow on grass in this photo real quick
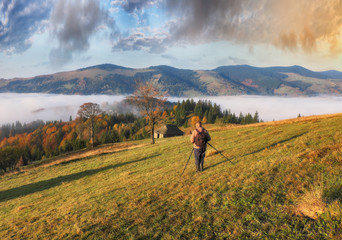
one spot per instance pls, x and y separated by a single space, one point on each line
219 163
333 193
257 151
47 184
275 144
87 157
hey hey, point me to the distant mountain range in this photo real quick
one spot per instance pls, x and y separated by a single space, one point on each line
225 80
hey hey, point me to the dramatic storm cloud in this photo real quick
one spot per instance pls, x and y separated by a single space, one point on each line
19 20
73 23
288 24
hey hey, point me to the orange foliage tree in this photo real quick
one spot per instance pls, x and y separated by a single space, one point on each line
149 99
164 116
194 120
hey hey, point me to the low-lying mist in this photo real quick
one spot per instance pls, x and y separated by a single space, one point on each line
49 107
278 108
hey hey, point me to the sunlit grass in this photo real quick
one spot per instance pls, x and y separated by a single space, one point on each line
282 180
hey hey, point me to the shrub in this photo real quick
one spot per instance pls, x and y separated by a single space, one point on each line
9 157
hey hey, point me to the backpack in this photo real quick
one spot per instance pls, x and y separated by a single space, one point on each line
200 139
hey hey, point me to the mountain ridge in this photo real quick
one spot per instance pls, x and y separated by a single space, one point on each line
224 80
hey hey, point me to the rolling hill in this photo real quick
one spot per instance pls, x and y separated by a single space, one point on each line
225 80
283 181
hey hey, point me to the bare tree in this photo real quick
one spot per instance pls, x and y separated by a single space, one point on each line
88 111
149 100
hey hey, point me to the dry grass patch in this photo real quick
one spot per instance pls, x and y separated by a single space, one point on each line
314 118
311 204
211 153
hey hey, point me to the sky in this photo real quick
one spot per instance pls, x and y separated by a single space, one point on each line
47 36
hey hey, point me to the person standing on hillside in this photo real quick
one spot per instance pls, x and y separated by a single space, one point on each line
199 138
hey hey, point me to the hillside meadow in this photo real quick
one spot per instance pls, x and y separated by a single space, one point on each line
282 180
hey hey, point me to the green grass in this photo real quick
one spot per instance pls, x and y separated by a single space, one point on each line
285 183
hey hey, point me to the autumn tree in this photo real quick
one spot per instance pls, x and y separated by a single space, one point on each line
194 120
87 112
149 101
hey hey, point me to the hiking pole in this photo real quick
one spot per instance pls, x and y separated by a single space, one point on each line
187 162
219 152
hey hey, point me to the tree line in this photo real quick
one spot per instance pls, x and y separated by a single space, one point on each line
58 137
8 130
22 143
209 112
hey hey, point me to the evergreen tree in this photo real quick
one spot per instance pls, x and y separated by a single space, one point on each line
248 118
210 116
187 106
200 111
241 119
256 117
196 110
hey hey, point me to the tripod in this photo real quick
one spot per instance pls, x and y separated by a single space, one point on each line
219 152
193 151
187 161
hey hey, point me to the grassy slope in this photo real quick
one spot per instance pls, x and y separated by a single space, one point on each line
322 86
286 182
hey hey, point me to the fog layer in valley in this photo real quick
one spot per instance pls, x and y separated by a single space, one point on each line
278 108
47 107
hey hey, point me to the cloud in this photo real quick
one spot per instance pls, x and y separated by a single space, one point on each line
169 57
135 8
140 41
19 21
290 25
287 24
73 23
131 6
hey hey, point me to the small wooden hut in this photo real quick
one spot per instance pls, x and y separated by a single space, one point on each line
168 130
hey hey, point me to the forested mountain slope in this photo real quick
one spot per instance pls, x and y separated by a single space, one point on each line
226 80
